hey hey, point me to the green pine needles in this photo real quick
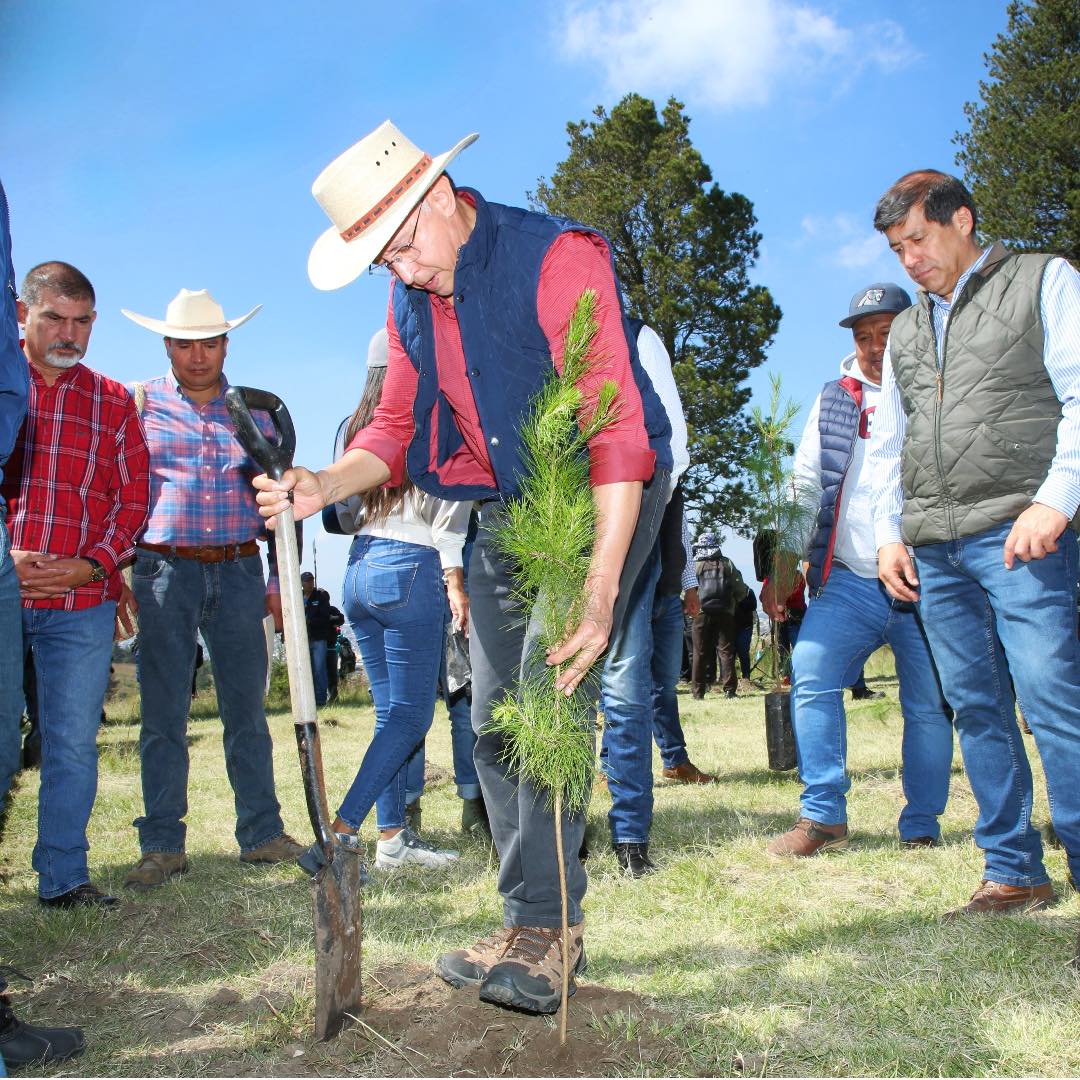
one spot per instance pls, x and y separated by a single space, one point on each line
547 536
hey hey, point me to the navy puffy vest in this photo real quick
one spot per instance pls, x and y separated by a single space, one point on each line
838 428
495 283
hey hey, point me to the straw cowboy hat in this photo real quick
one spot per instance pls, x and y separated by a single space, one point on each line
191 316
367 192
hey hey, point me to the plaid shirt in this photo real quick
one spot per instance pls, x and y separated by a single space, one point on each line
77 484
200 475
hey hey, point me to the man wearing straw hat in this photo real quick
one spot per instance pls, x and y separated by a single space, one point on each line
480 301
198 569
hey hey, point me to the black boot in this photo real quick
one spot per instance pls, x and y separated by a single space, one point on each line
22 1044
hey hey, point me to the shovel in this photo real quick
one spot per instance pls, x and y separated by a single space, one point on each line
336 907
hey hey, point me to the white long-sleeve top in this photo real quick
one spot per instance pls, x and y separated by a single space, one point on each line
854 544
426 520
657 364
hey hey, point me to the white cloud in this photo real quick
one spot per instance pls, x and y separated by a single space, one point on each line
722 53
855 245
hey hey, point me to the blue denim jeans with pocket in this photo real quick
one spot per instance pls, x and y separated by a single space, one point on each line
11 666
72 652
667 634
396 604
851 618
226 601
1000 636
626 689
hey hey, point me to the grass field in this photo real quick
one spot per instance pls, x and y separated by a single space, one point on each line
726 962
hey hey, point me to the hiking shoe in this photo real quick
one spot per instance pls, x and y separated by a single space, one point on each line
409 849
528 974
634 859
807 837
474 818
282 848
686 773
867 694
313 859
154 869
24 1044
469 967
413 816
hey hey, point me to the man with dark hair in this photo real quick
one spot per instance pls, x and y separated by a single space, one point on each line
321 632
198 570
850 615
77 487
977 467
481 299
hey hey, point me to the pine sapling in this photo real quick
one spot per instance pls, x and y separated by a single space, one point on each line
547 537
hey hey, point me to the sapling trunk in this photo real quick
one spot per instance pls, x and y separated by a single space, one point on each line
547 536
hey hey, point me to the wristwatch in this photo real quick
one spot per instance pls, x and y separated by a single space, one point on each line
97 571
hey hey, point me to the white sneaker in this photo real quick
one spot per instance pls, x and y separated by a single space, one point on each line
407 848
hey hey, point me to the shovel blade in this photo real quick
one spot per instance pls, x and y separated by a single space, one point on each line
337 911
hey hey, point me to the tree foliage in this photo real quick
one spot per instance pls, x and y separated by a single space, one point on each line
1021 155
683 251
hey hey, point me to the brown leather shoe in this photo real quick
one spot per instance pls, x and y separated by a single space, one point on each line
806 838
994 896
687 773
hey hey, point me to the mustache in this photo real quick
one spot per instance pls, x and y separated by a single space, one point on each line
66 346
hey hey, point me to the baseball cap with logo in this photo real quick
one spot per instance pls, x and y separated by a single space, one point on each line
883 297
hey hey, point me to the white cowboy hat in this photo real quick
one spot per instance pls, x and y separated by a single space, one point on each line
191 316
367 192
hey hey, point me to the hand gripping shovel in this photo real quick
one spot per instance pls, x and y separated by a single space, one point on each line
336 908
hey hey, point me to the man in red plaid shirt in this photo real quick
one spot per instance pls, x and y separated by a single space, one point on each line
77 488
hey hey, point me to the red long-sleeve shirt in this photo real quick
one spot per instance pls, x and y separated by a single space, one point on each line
575 261
77 484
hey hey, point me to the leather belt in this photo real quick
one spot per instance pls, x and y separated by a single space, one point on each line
207 553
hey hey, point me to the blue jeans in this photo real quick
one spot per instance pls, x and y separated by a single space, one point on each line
11 666
72 650
462 741
226 602
743 636
667 633
851 618
319 677
996 633
395 602
626 688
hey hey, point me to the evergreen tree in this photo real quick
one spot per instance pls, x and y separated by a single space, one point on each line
1022 154
683 250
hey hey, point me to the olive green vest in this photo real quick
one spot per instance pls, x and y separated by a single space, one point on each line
981 420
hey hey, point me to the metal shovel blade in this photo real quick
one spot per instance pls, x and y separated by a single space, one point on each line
336 912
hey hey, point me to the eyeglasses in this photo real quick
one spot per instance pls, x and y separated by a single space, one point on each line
406 253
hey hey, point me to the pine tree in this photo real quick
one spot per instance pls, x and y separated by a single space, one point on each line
683 251
1021 156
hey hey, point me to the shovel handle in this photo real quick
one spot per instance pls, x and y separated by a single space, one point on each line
272 457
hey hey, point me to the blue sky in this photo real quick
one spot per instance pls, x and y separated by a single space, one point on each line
157 146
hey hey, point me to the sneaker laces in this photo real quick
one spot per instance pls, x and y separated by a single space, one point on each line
414 840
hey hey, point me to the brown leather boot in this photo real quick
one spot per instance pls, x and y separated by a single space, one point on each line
994 896
806 838
687 773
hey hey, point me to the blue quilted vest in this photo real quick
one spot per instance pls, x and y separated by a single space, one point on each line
838 428
495 283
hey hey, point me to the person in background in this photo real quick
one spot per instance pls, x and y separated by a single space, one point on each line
198 571
714 625
321 632
77 488
745 614
977 464
404 569
850 614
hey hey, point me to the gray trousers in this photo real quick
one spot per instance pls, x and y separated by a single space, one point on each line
500 645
